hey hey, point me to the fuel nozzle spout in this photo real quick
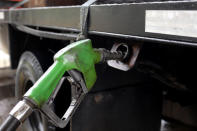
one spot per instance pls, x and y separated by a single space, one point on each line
108 55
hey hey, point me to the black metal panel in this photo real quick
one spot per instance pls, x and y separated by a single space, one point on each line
117 20
128 20
60 17
123 109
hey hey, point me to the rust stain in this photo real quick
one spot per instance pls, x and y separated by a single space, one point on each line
98 98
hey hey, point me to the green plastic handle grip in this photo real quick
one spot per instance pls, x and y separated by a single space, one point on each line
80 56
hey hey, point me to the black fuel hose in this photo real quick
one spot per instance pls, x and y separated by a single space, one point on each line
10 124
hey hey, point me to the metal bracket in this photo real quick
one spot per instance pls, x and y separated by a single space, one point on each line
84 19
125 66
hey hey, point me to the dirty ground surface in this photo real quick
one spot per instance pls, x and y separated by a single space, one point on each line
7 101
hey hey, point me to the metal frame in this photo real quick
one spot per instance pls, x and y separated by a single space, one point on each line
125 21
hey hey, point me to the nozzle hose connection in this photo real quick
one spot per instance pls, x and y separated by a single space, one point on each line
107 55
17 115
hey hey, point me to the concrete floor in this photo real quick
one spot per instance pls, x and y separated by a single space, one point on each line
7 101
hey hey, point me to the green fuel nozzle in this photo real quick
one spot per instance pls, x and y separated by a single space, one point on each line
79 56
78 59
